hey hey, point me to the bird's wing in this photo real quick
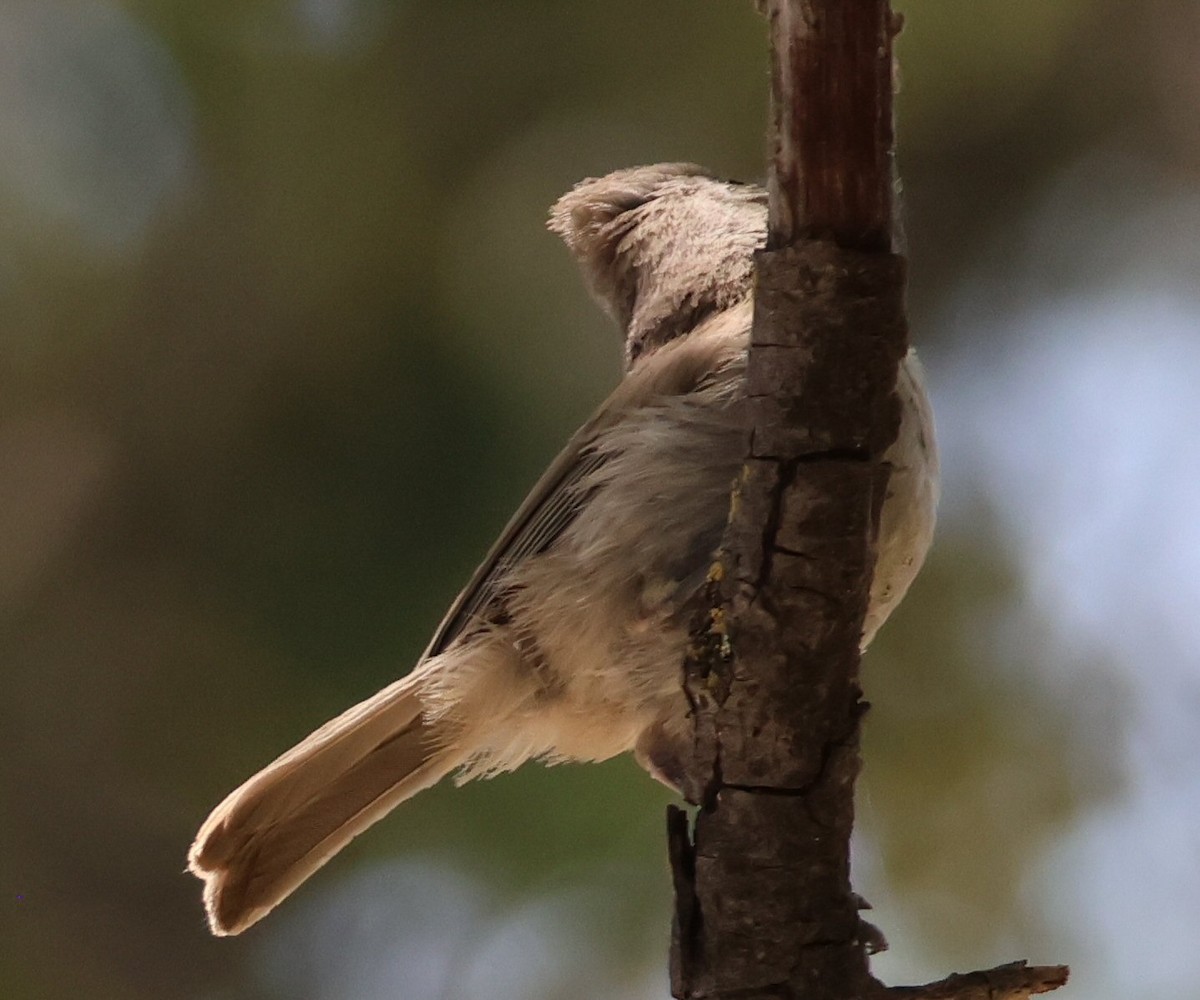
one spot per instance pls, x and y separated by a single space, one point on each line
556 500
552 504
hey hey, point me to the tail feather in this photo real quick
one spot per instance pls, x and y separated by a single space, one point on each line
278 828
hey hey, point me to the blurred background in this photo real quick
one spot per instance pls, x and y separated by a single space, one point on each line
285 342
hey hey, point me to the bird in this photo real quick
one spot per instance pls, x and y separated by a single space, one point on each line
567 643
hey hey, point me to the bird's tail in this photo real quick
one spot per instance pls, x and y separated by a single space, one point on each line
278 828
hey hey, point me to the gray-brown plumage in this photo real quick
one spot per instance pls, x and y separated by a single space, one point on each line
567 644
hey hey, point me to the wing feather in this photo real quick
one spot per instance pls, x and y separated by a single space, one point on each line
557 498
546 513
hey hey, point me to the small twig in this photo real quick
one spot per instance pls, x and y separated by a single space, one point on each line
1014 981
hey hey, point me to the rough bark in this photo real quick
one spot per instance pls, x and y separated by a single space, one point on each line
764 907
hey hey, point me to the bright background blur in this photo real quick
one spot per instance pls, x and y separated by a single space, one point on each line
284 342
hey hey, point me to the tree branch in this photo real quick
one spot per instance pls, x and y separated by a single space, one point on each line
1014 981
831 100
764 907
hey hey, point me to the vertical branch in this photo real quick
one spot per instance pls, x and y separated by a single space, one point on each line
832 140
767 910
764 907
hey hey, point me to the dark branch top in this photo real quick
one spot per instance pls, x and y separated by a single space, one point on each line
832 162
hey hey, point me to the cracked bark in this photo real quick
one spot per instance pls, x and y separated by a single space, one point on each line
764 907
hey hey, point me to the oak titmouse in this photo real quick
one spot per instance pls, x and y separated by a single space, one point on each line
568 642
